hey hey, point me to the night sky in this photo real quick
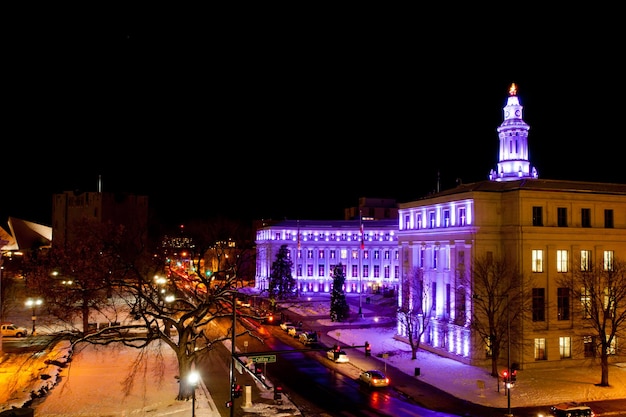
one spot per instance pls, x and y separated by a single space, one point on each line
299 119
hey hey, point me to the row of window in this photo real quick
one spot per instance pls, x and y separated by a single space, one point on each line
563 303
562 260
562 218
565 348
332 254
430 220
323 271
373 236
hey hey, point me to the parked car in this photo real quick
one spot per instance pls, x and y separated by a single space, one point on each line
285 325
11 330
569 409
374 378
338 356
308 338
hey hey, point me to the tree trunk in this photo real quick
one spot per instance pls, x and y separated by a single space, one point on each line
185 390
604 364
494 364
85 313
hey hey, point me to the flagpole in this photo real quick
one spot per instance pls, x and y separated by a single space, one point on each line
297 256
361 265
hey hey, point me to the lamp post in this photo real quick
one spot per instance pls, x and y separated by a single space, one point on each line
34 302
2 243
193 379
507 381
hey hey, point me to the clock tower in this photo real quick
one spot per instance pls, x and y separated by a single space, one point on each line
513 133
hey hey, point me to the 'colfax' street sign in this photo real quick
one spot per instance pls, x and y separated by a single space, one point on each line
263 359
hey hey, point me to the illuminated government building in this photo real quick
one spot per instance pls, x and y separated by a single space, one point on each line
545 227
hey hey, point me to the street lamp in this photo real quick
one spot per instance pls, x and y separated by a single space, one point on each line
2 244
34 302
508 356
193 379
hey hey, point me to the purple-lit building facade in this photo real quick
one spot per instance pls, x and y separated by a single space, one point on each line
543 226
368 250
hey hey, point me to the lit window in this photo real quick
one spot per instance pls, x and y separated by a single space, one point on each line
462 216
537 259
585 260
608 260
561 261
540 350
565 347
446 218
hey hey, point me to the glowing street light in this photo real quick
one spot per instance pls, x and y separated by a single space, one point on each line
34 302
193 378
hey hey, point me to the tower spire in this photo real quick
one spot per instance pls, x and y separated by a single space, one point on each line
513 133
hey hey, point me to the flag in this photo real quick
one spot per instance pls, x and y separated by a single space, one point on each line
299 246
362 234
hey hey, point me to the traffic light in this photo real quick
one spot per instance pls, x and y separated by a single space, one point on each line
237 391
505 375
368 349
228 404
514 376
278 391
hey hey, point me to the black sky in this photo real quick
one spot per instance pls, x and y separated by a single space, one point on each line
269 119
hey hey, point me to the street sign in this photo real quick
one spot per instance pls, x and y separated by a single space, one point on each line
263 359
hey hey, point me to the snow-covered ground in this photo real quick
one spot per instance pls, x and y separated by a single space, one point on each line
91 386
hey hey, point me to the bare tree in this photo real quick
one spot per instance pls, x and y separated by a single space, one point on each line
175 306
598 292
74 279
414 313
499 304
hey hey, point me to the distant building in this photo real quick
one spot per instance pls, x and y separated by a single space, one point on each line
368 251
373 209
116 208
542 226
